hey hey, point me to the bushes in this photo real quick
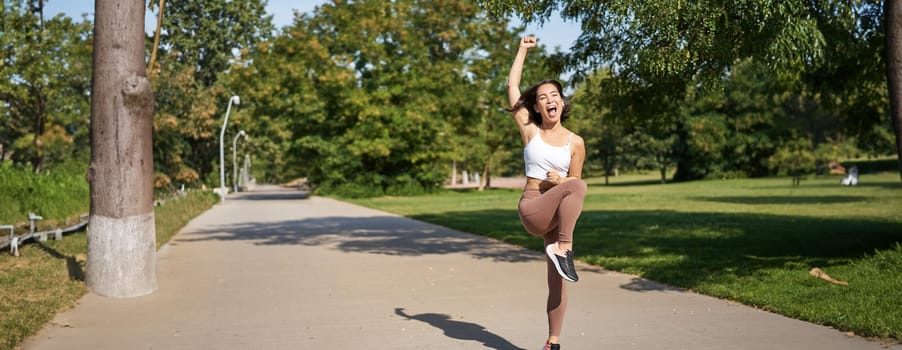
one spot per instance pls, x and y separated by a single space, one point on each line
56 195
375 185
874 166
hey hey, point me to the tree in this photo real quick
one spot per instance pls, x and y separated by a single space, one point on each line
121 238
486 134
894 69
663 49
732 131
208 34
195 56
754 106
185 127
44 85
156 35
795 158
598 127
373 91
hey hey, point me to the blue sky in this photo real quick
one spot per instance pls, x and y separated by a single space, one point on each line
555 33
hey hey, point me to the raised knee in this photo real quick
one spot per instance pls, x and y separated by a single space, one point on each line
579 186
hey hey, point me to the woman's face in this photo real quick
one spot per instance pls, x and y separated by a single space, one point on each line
549 102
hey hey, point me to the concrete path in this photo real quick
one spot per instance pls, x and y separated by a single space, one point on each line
277 270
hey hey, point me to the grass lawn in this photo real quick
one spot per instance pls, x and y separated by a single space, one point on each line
752 240
48 277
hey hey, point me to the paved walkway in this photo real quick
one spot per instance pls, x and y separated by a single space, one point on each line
277 270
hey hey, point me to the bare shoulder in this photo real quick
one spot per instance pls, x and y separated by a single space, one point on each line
578 141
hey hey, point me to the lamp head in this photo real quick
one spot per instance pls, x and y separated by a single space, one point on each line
241 133
236 100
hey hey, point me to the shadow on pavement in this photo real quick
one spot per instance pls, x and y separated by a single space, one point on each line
390 235
460 330
641 285
281 194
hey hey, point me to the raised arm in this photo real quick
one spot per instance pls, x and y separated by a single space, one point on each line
513 78
520 114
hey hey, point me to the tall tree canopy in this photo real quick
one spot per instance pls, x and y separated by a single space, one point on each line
373 90
659 51
208 34
200 42
45 77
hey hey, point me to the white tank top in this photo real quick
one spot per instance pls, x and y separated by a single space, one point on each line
540 157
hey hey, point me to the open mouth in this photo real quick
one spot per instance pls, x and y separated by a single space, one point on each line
551 109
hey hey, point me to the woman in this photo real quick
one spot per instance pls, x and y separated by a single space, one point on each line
553 195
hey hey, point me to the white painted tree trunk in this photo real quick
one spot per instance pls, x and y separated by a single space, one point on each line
121 234
122 256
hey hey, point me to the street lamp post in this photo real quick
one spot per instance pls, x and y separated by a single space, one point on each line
236 100
235 159
245 171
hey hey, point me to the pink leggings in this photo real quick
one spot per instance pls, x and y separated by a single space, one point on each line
552 215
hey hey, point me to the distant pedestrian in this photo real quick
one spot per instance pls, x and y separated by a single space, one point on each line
852 178
553 196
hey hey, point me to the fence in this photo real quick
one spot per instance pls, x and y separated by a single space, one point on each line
14 241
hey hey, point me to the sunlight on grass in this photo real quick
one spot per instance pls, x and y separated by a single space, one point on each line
48 277
749 240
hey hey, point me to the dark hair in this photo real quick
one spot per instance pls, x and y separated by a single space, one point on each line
528 100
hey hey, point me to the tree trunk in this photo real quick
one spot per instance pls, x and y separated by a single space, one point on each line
37 159
663 174
663 169
486 182
607 168
156 39
453 172
121 236
893 13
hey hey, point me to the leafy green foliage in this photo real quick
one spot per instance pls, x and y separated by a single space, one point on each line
795 159
824 56
673 43
185 128
206 34
388 102
381 97
724 133
45 77
200 42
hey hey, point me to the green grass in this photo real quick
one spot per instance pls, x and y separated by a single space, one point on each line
48 277
56 196
752 240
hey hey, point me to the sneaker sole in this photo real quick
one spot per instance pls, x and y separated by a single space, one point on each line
557 264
